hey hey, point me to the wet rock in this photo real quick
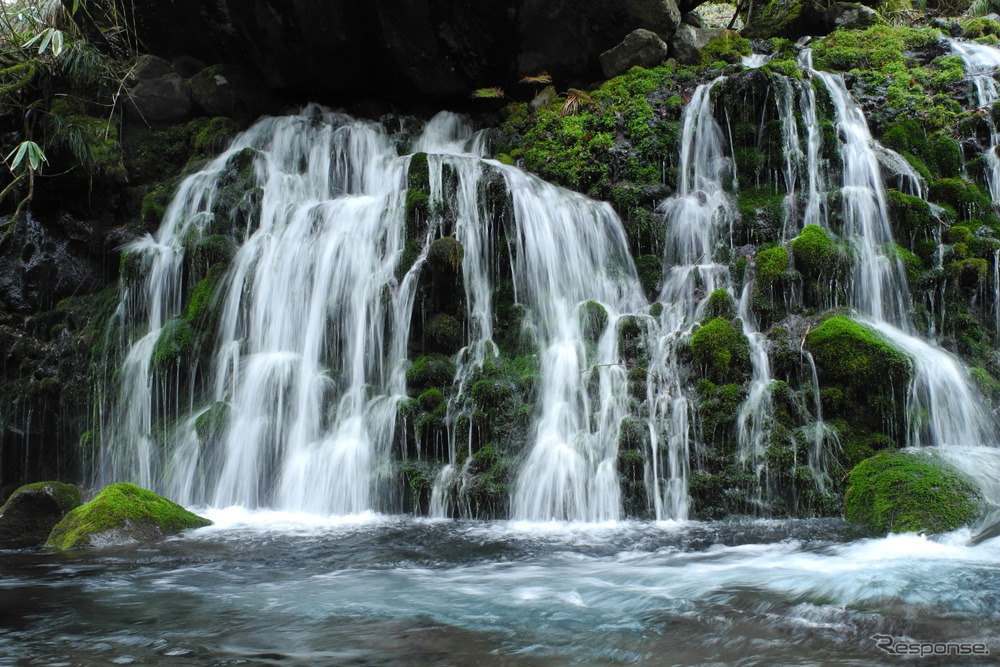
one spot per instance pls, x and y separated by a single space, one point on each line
544 98
149 67
122 514
165 98
641 48
45 261
27 518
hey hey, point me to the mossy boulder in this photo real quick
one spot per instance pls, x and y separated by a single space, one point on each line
813 251
593 321
122 514
445 256
870 373
722 351
910 491
430 371
28 516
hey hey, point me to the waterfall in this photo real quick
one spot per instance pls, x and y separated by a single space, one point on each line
942 407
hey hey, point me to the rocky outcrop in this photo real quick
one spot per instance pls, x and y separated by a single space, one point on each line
434 48
27 518
641 48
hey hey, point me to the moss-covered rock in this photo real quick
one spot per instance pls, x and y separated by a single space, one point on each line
445 256
445 334
28 516
871 374
175 345
722 351
593 321
122 514
910 491
720 304
430 371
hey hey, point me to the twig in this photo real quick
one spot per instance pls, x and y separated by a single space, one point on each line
804 336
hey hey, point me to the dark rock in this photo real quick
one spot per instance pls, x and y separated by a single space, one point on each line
431 49
688 42
851 16
639 48
43 262
660 16
27 518
165 98
788 20
149 67
224 90
692 20
187 66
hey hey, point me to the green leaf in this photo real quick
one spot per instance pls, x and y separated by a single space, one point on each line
34 153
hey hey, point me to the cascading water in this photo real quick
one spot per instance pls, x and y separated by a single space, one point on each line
311 347
942 407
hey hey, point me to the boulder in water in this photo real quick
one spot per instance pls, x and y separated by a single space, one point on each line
642 48
28 516
122 514
910 491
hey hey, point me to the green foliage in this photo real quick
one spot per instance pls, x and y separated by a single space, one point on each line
967 200
910 491
445 333
722 351
125 508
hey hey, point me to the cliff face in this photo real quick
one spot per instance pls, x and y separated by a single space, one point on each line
436 49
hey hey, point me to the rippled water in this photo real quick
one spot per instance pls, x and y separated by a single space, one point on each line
287 589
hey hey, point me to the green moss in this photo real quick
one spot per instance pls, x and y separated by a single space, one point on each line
720 304
174 345
771 264
907 491
814 251
407 258
650 269
729 48
430 371
445 255
65 495
722 351
910 216
981 27
154 207
122 511
430 400
966 199
445 333
632 339
593 320
853 354
200 313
